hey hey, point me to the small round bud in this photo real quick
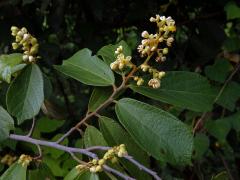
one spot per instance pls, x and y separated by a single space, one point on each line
161 74
98 168
101 162
161 39
14 28
94 161
24 30
31 59
140 82
26 37
155 83
33 41
113 66
165 50
92 169
135 78
144 67
15 46
25 58
152 19
121 66
145 34
163 58
18 38
20 33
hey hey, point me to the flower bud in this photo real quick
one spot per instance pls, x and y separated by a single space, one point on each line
33 41
14 46
145 34
152 19
140 82
25 58
161 74
94 161
31 59
101 162
93 169
165 50
113 66
98 168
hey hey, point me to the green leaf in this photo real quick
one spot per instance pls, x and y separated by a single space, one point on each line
116 135
229 96
201 145
54 165
25 94
156 131
15 170
73 174
219 128
93 137
87 176
219 71
6 124
232 10
221 176
108 52
87 69
10 64
184 89
235 121
99 95
41 173
47 125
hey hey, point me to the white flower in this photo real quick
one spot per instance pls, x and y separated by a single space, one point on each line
155 83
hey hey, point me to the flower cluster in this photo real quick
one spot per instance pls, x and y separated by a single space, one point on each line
95 165
8 159
159 42
121 61
27 42
25 160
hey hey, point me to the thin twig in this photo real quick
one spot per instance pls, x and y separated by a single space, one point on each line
226 167
39 152
87 152
142 167
32 127
201 119
118 173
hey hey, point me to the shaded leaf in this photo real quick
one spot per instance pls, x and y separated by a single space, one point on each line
6 124
87 69
201 145
156 131
219 128
41 173
219 70
25 94
184 89
232 10
10 64
99 95
15 170
229 96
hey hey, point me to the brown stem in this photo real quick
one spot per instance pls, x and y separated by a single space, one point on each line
116 90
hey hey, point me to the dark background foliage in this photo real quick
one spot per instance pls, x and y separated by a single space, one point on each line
207 30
